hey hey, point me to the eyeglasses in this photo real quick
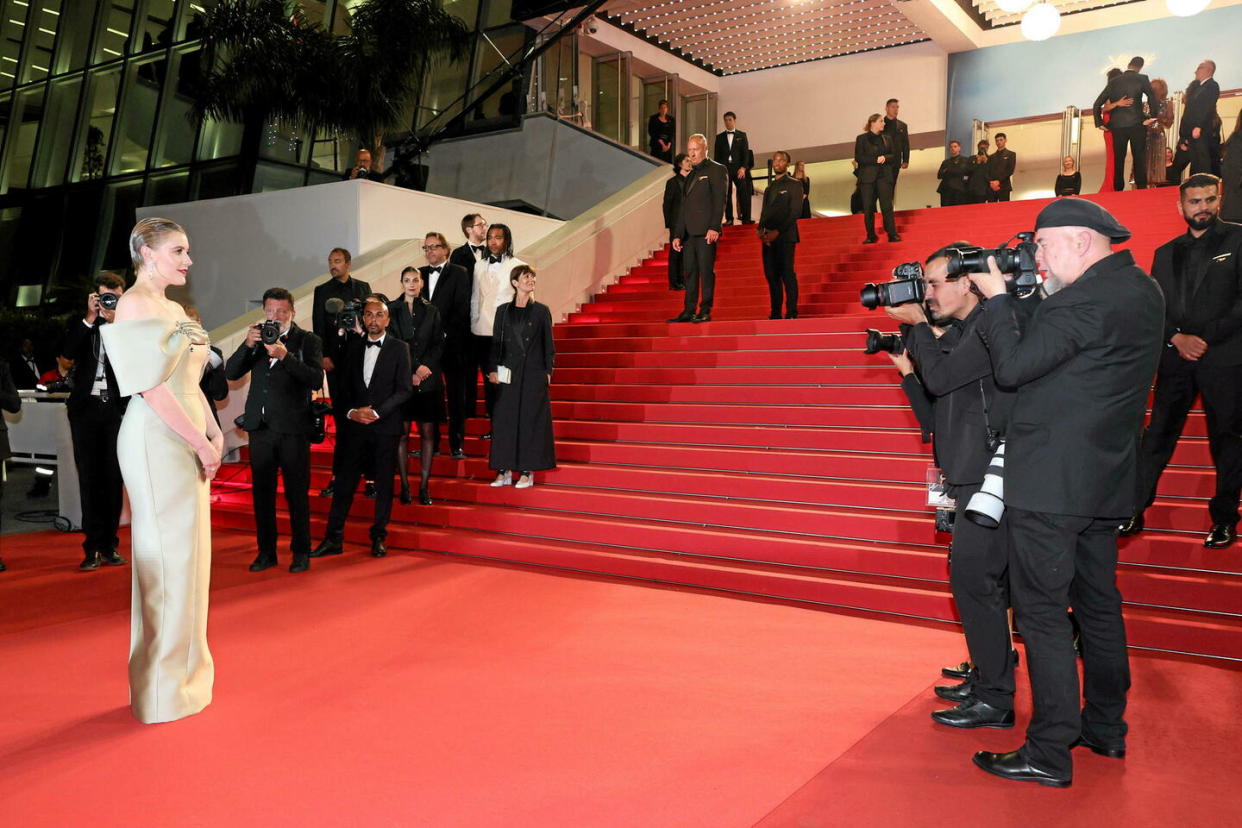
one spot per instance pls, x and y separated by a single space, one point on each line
479 224
427 247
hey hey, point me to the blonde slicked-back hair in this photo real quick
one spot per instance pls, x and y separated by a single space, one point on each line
148 233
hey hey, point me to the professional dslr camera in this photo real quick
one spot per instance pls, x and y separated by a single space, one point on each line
348 314
269 332
1018 261
907 286
876 342
107 301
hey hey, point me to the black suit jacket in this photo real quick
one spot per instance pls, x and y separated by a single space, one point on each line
782 207
1200 109
21 373
452 300
323 324
1129 84
673 189
11 402
82 346
1082 368
280 394
390 383
1210 306
703 201
738 156
464 258
1001 165
867 148
899 138
422 332
954 173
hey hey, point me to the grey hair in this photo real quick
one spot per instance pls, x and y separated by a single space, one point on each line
148 233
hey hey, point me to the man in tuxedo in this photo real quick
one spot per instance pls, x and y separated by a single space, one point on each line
474 228
778 232
1082 367
95 409
375 382
954 175
899 139
1198 141
25 367
447 286
1128 124
1001 165
697 228
346 288
733 150
278 419
1200 273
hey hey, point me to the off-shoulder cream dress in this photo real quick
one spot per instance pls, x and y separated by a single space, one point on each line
170 668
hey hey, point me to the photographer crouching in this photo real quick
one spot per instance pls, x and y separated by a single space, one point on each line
946 366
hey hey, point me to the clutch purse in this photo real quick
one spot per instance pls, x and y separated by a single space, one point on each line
503 375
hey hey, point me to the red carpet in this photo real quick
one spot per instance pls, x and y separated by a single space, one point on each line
421 690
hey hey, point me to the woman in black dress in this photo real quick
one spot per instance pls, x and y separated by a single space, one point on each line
521 364
800 174
673 189
662 133
416 321
875 178
1069 182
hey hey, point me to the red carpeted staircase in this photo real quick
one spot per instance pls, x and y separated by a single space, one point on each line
774 458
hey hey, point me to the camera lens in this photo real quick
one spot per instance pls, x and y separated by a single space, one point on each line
870 296
107 301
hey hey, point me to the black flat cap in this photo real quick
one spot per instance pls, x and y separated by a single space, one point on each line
1079 212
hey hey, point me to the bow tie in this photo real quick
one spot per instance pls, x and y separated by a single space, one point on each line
374 343
495 259
435 270
728 132
480 249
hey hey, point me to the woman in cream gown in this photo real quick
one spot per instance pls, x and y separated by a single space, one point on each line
169 449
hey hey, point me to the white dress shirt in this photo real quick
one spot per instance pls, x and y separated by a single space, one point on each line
433 278
369 356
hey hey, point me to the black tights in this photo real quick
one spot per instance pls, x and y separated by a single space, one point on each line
429 438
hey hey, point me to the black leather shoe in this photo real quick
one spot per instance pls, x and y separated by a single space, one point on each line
682 317
1131 527
1222 535
1102 750
458 454
871 240
2 566
974 713
378 550
406 497
328 490
701 317
112 558
327 547
793 315
956 692
894 238
262 562
91 562
774 316
1013 766
961 671
424 497
677 286
301 563
369 490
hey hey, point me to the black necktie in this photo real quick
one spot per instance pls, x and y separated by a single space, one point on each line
374 343
435 271
494 259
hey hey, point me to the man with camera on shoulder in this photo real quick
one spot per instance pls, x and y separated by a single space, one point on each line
285 364
966 420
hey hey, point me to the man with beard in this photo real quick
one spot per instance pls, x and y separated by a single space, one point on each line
954 175
1200 273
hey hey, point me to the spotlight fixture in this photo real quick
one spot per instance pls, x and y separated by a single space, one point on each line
1186 8
1041 21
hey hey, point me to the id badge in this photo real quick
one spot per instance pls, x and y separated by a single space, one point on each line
938 489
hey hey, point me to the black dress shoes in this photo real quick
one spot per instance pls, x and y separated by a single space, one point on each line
424 496
956 692
871 240
774 316
1222 535
682 317
701 317
301 563
328 490
112 558
677 286
458 454
91 562
327 547
369 489
406 497
262 562
792 315
378 550
894 238
1013 766
1131 527
2 566
974 713
1101 750
961 671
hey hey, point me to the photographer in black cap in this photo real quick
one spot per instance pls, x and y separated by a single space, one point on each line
968 414
1082 367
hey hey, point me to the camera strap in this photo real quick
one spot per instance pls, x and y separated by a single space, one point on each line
987 422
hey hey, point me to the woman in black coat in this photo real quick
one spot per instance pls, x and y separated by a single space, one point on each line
662 133
875 178
673 189
800 174
521 363
416 322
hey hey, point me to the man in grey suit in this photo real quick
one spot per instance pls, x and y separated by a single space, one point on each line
1082 366
1128 124
697 227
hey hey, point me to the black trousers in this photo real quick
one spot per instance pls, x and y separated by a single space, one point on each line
979 577
361 449
1136 138
950 198
288 454
676 281
1177 384
94 426
1198 155
698 262
744 189
778 269
460 388
882 190
1058 561
482 355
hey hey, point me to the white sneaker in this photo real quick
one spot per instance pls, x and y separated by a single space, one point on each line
525 482
503 479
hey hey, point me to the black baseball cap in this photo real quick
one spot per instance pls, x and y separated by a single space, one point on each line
1079 212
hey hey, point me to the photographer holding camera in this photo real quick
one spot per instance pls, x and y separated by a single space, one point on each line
966 421
95 409
285 364
1082 368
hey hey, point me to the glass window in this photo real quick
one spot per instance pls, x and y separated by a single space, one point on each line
41 29
331 152
444 87
96 131
119 214
609 84
12 32
268 177
174 143
23 126
284 143
497 13
157 30
139 100
467 11
217 182
116 18
10 266
74 40
6 105
191 16
57 138
504 102
219 139
168 188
